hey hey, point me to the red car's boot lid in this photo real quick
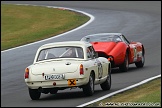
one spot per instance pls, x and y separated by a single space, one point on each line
103 46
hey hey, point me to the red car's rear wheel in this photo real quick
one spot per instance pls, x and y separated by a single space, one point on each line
141 63
124 67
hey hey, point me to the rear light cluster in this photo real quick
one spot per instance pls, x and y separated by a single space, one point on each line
26 73
110 58
81 70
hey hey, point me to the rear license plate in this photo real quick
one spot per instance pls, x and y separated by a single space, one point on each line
54 77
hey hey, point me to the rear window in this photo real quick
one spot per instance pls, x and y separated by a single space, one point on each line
61 52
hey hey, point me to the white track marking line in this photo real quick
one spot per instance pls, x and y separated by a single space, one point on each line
118 91
91 19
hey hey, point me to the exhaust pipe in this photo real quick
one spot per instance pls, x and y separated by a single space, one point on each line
40 89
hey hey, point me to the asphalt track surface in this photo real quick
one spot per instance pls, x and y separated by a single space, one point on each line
137 20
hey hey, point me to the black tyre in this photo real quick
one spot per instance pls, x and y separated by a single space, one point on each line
124 67
88 89
107 84
34 94
141 63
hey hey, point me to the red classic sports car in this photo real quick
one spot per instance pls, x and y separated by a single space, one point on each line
117 49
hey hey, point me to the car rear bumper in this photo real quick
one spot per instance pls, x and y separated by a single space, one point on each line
68 83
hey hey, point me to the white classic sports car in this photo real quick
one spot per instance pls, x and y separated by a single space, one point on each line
70 64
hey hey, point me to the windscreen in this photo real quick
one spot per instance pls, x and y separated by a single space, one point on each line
101 38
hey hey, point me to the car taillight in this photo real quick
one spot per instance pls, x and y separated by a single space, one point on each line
81 70
110 58
26 73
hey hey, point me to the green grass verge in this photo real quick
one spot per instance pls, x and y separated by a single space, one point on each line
143 95
22 24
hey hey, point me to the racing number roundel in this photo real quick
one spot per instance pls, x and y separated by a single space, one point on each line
135 52
100 69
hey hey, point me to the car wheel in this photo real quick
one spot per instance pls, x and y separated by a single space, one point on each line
140 63
124 67
107 84
34 94
88 89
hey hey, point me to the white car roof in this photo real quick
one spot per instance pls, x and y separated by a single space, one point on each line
66 43
106 34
